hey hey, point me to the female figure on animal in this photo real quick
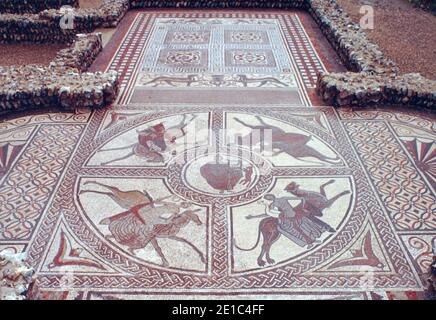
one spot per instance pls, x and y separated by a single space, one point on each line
281 218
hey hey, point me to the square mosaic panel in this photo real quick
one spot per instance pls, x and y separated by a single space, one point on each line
250 58
184 60
187 37
246 37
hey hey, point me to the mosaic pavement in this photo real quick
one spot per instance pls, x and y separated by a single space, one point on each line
155 198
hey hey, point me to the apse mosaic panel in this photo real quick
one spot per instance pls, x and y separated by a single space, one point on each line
233 52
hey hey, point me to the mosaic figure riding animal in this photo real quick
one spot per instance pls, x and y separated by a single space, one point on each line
315 202
304 226
146 219
130 231
292 144
153 142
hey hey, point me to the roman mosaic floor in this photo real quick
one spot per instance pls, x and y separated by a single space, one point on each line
220 174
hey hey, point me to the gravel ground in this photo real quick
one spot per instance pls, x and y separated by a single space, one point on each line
89 3
21 54
405 34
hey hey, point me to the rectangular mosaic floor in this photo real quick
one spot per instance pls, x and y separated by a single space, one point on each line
145 200
263 58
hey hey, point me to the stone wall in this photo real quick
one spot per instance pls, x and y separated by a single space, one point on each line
109 14
375 80
31 28
360 90
80 55
44 27
349 41
62 84
33 6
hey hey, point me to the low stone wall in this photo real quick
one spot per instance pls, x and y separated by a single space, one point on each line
31 28
349 41
360 90
44 27
33 87
375 80
33 6
81 54
109 14
222 4
61 84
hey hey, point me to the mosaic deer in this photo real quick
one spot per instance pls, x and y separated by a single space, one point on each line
293 144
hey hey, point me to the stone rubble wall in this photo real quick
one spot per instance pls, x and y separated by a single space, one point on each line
44 27
376 79
31 28
109 14
62 84
360 90
81 54
33 6
347 38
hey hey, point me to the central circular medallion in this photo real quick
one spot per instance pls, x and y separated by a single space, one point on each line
217 174
206 177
